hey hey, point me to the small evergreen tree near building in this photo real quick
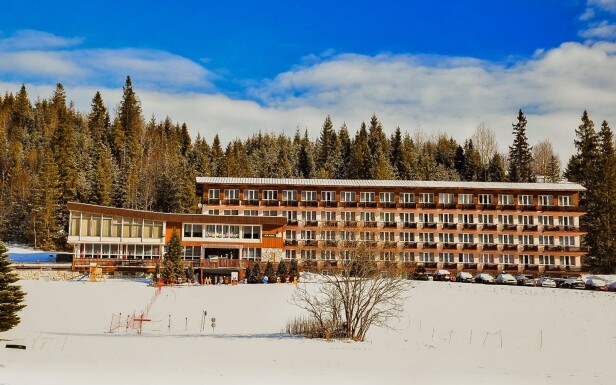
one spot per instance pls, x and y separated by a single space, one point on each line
282 271
269 271
293 269
172 265
256 272
11 295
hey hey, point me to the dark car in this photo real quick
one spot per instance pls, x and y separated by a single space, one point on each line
484 278
441 275
573 283
418 276
525 280
464 276
594 283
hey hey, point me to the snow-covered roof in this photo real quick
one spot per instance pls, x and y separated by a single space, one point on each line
392 183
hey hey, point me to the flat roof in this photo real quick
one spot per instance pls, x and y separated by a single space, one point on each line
392 183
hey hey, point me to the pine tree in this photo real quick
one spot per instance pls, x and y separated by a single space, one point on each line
345 152
360 161
293 269
256 272
172 265
269 272
380 167
496 169
472 169
282 271
520 154
305 159
328 157
217 158
11 295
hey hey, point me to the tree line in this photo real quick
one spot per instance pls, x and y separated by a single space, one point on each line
51 154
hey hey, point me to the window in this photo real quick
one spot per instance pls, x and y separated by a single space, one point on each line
465 199
505 219
526 240
445 198
347 235
309 215
485 199
308 254
546 220
486 219
426 198
566 240
386 197
367 216
213 212
446 238
546 200
348 216
290 215
426 237
388 217
465 218
193 230
270 213
425 256
289 195
290 254
466 258
367 236
270 195
387 236
222 231
407 198
251 213
506 258
346 255
407 217
328 235
486 238
407 237
251 253
387 256
213 193
232 194
505 199
546 259
407 256
566 221
309 196
347 196
328 216
505 239
251 232
466 238
525 200
290 235
486 258
366 197
445 218
546 240
565 200
328 255
446 257
426 217
230 212
527 259
527 220
308 235
567 260
251 195
328 196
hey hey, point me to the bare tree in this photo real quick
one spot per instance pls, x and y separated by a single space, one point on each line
365 293
546 163
484 141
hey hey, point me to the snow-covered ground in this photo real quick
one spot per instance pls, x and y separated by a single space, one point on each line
449 333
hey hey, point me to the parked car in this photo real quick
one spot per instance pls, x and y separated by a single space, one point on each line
611 286
464 276
546 281
506 279
418 276
484 278
525 280
573 283
594 283
441 275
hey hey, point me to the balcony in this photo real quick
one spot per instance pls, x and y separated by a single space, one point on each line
311 223
429 205
251 202
409 225
370 224
489 226
510 266
429 245
389 224
507 207
292 222
486 206
552 248
407 205
310 203
329 223
349 204
466 206
530 227
510 227
310 242
271 202
291 203
231 202
510 247
367 204
489 246
349 243
389 245
571 228
450 226
213 202
446 206
470 266
350 224
290 242
531 248
328 243
409 245
450 246
329 203
469 246
387 205
469 226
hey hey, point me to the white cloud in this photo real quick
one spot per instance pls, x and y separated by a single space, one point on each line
602 30
30 40
605 5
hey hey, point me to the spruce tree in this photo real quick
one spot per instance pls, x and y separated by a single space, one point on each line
496 169
305 159
217 158
269 272
345 152
11 295
172 265
256 272
293 269
520 154
360 161
282 271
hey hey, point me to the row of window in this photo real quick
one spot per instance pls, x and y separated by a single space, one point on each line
389 197
221 231
96 225
118 251
442 237
445 257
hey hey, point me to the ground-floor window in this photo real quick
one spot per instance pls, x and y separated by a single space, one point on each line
567 260
486 258
407 256
328 255
546 259
118 251
466 258
446 257
251 253
425 256
527 259
506 258
290 254
309 254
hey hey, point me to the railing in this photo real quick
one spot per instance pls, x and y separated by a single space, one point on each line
271 202
528 208
531 247
389 224
224 263
446 206
489 226
310 203
311 223
370 224
449 246
407 205
349 204
292 222
409 245
469 226
290 242
466 206
509 227
350 224
291 203
330 223
410 225
231 202
388 205
450 225
489 246
330 203
310 242
429 245
81 263
213 201
251 202
469 246
429 225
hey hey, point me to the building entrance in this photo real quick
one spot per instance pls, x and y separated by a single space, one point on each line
221 253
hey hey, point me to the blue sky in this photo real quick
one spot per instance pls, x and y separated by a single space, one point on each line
235 67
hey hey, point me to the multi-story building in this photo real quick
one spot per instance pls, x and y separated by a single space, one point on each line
321 222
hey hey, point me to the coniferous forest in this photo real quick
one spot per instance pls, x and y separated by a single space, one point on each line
51 154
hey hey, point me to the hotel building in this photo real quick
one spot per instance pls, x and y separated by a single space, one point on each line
475 226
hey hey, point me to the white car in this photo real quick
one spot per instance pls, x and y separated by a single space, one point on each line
506 279
484 278
545 281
